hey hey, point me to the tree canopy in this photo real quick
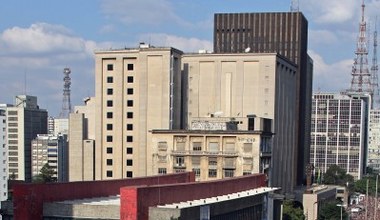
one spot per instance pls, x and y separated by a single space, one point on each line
291 212
46 175
337 176
331 210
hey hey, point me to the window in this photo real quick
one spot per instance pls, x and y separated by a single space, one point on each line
129 174
196 161
109 138
129 114
130 91
230 147
109 103
130 66
129 162
213 147
109 79
129 138
109 67
129 103
247 147
212 161
109 150
130 79
229 173
161 170
212 172
197 172
129 127
129 150
180 161
109 162
109 115
109 173
109 91
197 146
109 127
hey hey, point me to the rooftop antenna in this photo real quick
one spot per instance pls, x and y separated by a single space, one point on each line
294 6
66 103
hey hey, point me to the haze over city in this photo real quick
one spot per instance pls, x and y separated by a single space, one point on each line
38 38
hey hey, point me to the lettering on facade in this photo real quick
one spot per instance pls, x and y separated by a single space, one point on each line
246 139
208 125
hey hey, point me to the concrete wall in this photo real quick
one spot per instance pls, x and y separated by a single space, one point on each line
135 201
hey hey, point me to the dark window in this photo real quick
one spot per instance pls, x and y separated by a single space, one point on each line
129 174
110 67
130 79
130 66
109 127
129 114
109 162
109 115
109 91
129 127
109 103
109 138
129 138
109 150
129 150
109 79
130 91
109 173
129 103
129 162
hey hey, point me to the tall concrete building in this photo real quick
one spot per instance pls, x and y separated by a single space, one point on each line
374 140
136 90
285 33
25 120
240 85
3 156
337 133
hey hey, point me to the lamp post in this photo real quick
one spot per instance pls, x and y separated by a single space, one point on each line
341 210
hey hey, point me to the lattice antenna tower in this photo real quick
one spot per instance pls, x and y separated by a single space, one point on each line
66 103
294 6
375 69
361 77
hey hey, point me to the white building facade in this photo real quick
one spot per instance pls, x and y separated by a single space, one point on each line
3 156
374 140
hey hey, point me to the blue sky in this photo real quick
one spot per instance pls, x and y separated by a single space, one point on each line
39 38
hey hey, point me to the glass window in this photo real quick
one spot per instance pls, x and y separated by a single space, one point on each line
109 79
109 115
129 138
213 146
130 79
129 114
129 127
161 170
109 138
109 173
130 91
109 162
129 103
130 66
129 162
212 173
109 91
109 127
109 150
129 174
197 146
129 150
109 67
109 103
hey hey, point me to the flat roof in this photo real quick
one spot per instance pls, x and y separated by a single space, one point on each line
110 200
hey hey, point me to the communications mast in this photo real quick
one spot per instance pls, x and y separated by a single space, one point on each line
66 103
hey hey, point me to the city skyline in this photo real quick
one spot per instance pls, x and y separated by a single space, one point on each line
49 36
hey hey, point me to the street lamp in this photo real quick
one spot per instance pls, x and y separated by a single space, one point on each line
341 210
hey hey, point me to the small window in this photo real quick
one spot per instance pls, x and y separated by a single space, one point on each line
129 114
129 127
109 79
129 150
129 138
109 162
130 66
109 91
130 91
129 174
109 150
161 170
109 138
130 79
109 67
129 162
109 173
109 115
130 103
212 173
109 127
109 103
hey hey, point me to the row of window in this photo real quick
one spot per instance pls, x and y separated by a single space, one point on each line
129 91
129 162
110 79
110 114
129 103
129 127
130 67
110 150
129 174
109 138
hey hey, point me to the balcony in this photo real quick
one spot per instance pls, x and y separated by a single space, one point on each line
179 166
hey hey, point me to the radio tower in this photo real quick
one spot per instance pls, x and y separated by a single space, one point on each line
374 69
361 77
66 104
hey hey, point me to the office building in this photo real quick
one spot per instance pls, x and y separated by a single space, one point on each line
374 140
3 156
25 120
337 133
240 85
285 33
136 90
51 150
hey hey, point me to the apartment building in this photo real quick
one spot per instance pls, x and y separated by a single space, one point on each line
3 156
374 140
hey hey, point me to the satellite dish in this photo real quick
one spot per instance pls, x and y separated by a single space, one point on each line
247 49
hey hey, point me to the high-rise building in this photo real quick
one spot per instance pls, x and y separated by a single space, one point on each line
337 133
136 90
285 33
3 156
25 120
52 150
374 140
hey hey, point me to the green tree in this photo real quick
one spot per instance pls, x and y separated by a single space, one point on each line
331 210
291 212
46 175
337 176
361 185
